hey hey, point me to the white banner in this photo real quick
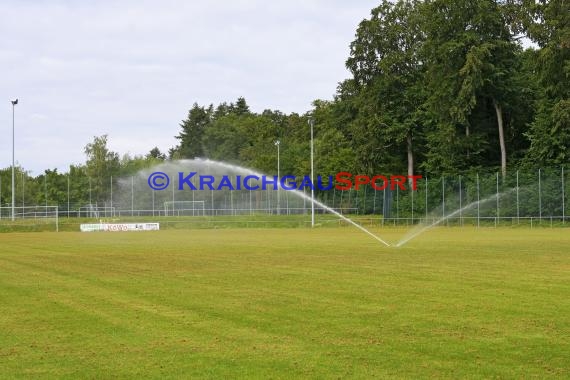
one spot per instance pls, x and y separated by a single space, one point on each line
119 227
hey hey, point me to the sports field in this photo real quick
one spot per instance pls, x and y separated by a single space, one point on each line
285 303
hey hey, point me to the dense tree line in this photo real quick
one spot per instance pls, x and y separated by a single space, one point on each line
440 86
436 87
90 183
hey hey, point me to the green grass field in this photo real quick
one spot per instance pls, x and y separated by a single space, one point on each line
285 303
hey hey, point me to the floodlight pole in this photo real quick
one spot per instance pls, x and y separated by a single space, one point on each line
14 102
311 123
278 178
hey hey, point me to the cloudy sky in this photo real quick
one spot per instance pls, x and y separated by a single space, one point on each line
132 68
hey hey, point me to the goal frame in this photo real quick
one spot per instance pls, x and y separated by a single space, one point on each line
95 211
175 211
30 215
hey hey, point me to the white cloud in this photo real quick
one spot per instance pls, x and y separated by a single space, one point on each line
132 69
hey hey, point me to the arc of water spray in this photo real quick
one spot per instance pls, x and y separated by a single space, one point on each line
442 219
297 193
350 221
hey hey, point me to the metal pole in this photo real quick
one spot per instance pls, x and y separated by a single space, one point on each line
426 198
498 209
14 102
334 199
45 189
539 198
364 203
460 204
443 196
132 195
278 178
193 198
383 204
112 212
311 122
478 205
68 200
232 211
518 207
398 204
412 191
563 212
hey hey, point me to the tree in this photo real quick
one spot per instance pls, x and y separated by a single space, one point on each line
192 133
78 184
240 107
470 54
388 70
102 164
52 188
156 154
5 186
227 136
549 133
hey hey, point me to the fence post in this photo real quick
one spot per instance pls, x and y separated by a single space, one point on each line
364 203
412 191
112 212
539 198
232 201
426 198
193 200
68 197
45 188
498 209
460 204
398 204
563 211
383 205
334 199
518 209
443 197
132 195
152 201
23 191
478 205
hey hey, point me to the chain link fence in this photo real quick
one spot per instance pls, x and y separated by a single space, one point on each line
521 197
